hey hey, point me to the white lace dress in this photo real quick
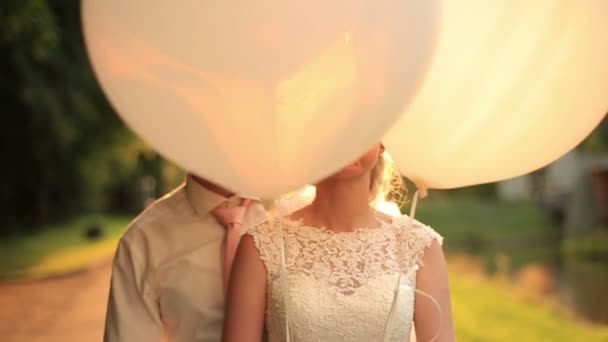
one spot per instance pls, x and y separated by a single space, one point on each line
340 286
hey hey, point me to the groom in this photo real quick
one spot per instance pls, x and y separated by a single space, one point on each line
172 265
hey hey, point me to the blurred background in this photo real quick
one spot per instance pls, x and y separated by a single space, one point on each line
528 257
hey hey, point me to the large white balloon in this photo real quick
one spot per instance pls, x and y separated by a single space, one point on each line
261 96
514 85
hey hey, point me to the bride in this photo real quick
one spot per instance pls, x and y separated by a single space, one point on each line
338 270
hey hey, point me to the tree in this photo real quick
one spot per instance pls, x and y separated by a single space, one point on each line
597 142
60 135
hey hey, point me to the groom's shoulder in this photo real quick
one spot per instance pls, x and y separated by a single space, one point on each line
158 218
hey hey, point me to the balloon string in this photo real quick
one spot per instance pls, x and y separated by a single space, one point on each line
414 205
438 310
422 192
283 283
270 210
388 327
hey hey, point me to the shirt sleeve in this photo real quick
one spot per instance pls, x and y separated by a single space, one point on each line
133 313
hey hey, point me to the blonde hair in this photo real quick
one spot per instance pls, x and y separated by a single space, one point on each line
386 183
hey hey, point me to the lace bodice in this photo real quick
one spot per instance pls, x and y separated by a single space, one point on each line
340 286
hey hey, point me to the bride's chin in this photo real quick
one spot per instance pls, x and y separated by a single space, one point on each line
353 167
347 173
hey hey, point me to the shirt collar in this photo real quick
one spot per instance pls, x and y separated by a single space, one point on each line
202 199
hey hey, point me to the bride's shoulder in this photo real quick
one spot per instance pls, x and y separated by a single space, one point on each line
273 225
416 239
414 230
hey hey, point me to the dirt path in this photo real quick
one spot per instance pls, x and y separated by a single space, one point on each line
70 308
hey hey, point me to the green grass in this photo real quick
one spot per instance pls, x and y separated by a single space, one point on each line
486 310
59 249
491 310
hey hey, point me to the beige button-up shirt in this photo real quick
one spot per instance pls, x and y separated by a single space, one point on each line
167 276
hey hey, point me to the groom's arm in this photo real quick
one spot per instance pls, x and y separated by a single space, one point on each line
133 314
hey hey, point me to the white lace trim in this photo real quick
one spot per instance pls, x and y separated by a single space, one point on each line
345 261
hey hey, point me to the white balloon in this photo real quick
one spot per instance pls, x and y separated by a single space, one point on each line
260 96
514 85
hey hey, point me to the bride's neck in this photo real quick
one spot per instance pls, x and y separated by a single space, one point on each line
342 205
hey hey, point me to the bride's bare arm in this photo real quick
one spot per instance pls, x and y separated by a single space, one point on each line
432 278
246 300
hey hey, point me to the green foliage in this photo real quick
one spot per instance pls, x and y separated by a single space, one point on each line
487 228
593 248
465 221
484 191
31 24
62 144
597 142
